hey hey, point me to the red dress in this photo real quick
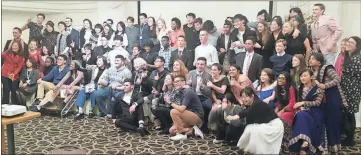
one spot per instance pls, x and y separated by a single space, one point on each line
288 116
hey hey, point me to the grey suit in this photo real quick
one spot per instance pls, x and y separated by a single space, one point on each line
206 91
255 68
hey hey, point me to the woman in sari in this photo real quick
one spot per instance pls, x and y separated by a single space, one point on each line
307 123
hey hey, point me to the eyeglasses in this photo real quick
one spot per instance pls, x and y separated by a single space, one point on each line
176 81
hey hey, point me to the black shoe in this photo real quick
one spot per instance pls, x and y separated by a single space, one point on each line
347 142
141 131
91 115
34 109
146 131
79 116
164 132
36 102
47 104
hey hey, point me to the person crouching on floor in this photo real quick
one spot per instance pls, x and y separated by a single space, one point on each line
128 109
264 131
227 131
187 114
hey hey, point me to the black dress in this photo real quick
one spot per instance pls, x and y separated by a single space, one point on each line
295 46
269 48
265 52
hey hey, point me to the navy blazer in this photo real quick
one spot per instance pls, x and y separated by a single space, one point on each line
75 36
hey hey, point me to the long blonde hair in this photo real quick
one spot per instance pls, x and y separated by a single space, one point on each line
265 35
164 25
183 71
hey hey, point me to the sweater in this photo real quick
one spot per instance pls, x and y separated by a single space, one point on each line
281 63
55 75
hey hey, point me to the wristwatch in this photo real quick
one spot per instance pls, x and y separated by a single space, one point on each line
135 103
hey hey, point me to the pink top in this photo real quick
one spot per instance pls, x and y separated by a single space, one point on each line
339 63
174 37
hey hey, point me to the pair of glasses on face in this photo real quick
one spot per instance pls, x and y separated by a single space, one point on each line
176 81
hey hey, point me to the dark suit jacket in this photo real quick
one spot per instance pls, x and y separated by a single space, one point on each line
221 44
26 51
255 68
100 51
247 33
74 36
121 108
187 58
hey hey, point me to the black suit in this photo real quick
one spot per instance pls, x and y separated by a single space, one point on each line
26 51
187 58
120 110
221 44
255 67
74 36
247 33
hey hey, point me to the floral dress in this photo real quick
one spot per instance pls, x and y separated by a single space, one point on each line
351 83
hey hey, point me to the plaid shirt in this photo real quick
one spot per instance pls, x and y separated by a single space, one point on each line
166 54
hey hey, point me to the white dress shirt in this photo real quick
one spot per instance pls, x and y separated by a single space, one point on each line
247 62
127 97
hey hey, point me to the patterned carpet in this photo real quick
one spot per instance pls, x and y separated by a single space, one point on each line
45 134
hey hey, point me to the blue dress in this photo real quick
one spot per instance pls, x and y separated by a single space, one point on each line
263 94
308 124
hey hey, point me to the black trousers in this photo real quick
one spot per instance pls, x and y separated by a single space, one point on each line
228 132
163 114
130 121
349 126
9 87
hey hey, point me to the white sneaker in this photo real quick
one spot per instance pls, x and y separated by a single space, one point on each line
178 137
215 141
198 132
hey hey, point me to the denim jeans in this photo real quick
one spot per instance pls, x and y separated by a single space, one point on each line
82 97
113 94
101 95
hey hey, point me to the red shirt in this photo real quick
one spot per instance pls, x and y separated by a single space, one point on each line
35 55
12 64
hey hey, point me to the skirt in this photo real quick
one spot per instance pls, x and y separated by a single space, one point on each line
265 138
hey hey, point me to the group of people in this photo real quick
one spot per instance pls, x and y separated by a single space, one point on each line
261 86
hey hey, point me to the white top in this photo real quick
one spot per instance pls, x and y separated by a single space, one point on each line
127 97
87 36
209 52
247 60
117 51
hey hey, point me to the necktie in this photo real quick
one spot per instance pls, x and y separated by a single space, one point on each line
248 63
179 54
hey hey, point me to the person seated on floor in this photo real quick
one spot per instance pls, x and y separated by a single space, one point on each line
128 110
198 79
51 83
89 89
110 85
227 131
264 130
28 81
157 79
161 110
189 113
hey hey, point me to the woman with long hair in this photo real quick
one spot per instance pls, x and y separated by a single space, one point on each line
276 34
96 35
121 31
285 98
266 89
238 81
179 68
49 37
152 33
108 32
351 85
307 127
262 41
89 89
299 21
28 82
161 29
62 41
86 32
340 58
298 65
298 45
13 61
328 80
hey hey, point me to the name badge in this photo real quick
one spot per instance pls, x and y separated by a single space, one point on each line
140 37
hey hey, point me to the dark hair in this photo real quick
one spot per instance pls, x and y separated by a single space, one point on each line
278 22
21 50
166 37
131 19
322 7
284 42
33 62
266 15
208 25
51 59
33 40
63 23
88 46
230 18
357 51
90 25
137 46
237 67
248 91
153 28
182 36
192 15
198 20
270 74
320 58
228 23
241 17
177 22
41 14
300 90
110 33
144 15
118 37
161 58
300 14
202 59
253 39
230 97
51 24
120 56
63 56
181 77
148 43
16 28
98 26
219 66
69 18
282 95
104 59
111 20
129 80
121 25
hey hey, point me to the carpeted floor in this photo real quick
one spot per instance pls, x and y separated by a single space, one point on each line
45 134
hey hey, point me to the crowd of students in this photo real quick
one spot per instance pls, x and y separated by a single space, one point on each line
261 86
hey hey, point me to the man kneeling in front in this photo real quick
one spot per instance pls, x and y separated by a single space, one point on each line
188 114
128 109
